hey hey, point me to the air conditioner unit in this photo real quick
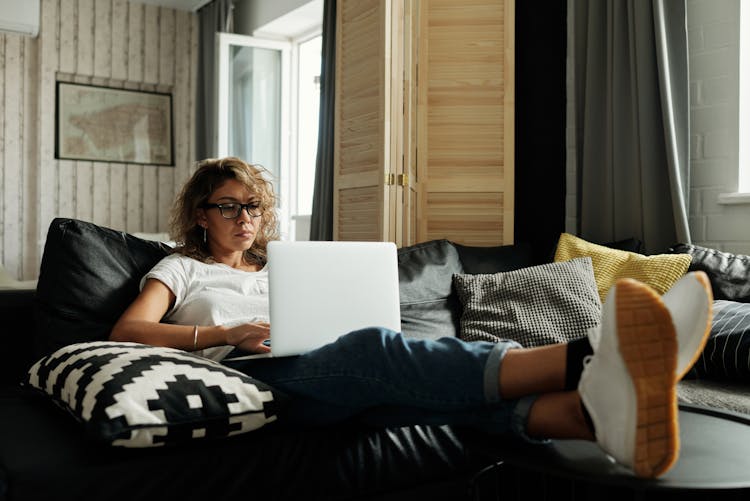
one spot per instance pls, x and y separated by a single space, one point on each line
20 17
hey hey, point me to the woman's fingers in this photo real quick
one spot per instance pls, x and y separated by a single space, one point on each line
250 337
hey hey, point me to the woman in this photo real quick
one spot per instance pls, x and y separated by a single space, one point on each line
212 292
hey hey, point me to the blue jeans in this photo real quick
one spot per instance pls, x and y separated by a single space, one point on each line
385 379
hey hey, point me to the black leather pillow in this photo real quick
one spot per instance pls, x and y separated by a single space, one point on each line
429 306
88 276
727 272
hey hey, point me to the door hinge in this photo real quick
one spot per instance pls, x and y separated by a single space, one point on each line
397 179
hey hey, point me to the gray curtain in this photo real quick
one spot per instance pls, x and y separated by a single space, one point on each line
631 120
213 17
321 222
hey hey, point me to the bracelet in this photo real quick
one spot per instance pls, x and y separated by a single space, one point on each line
195 337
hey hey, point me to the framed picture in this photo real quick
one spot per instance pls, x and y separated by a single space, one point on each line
105 124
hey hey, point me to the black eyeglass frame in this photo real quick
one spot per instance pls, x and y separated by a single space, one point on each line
227 206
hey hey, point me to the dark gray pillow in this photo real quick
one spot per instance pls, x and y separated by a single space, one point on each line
535 306
429 306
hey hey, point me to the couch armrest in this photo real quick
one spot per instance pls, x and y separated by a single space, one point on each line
17 312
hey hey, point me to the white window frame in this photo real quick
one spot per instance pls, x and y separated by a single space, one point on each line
283 184
743 185
295 216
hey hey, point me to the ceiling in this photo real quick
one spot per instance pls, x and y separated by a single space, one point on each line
191 5
295 23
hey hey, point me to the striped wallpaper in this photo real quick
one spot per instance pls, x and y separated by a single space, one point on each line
112 43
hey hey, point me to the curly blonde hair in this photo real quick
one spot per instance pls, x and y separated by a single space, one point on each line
209 175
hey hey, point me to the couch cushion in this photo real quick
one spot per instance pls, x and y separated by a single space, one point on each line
660 271
135 395
45 455
17 310
535 306
729 273
429 306
477 260
89 275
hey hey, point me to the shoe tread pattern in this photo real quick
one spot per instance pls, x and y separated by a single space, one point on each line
648 345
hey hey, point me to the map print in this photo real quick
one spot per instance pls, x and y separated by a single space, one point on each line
114 125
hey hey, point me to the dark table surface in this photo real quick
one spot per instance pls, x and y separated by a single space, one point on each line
714 455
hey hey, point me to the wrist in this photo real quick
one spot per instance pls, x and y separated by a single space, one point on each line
207 336
221 334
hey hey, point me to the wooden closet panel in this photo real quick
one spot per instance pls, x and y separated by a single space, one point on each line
475 221
466 179
357 208
361 115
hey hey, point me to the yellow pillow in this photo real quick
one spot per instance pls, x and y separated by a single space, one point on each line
660 271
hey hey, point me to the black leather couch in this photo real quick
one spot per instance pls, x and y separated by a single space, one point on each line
89 274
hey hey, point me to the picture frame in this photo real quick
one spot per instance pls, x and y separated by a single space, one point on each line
106 124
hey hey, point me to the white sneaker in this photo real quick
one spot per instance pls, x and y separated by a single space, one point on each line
628 385
689 302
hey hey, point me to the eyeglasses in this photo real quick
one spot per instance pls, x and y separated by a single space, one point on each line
233 210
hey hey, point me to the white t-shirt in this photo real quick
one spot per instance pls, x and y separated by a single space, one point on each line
212 294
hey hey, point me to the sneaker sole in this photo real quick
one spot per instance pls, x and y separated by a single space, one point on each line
648 346
697 349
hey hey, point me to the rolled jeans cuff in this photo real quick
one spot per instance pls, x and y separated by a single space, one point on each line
492 370
520 419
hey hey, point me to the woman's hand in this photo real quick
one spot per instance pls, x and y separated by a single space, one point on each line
250 337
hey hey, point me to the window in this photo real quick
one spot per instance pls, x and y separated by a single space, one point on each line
268 104
308 96
728 48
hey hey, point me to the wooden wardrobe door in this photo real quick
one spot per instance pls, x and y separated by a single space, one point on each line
362 109
465 121
424 121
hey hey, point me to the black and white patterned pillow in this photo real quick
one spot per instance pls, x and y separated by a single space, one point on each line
135 395
727 352
535 306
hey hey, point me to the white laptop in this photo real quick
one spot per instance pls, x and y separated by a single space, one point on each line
319 291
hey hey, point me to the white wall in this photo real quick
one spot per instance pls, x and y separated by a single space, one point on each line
102 42
713 39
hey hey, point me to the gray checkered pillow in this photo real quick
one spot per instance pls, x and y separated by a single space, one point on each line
534 306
